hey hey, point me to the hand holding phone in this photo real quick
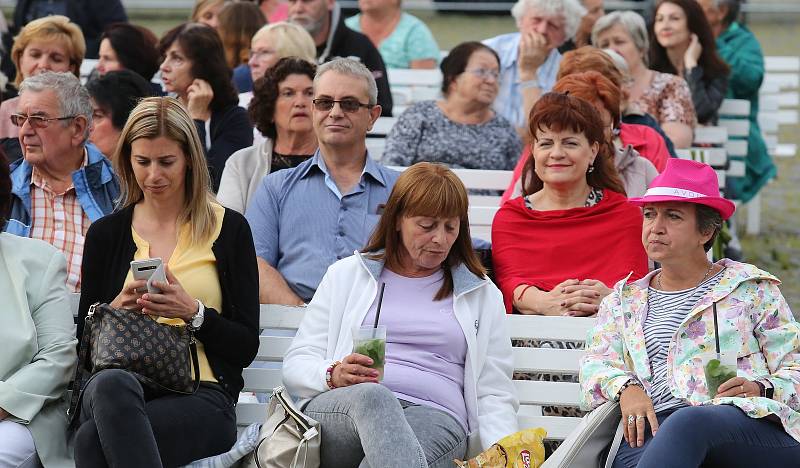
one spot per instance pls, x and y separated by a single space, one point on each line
151 270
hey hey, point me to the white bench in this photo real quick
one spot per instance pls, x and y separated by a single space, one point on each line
533 395
410 86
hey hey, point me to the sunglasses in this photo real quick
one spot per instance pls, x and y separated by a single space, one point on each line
347 105
36 121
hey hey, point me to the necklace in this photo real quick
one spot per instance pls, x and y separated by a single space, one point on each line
710 267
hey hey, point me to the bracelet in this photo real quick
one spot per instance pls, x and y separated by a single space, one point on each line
629 383
534 83
527 286
329 375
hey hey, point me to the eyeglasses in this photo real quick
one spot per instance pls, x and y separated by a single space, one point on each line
258 53
36 121
484 73
347 105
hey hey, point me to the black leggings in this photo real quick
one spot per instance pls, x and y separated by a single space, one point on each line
121 427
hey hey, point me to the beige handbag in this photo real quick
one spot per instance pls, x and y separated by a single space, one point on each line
593 443
288 438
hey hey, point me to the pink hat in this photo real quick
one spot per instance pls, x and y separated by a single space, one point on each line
687 181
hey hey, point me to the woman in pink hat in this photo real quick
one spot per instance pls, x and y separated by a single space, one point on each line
661 343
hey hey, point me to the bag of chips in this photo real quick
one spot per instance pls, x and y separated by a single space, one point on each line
523 449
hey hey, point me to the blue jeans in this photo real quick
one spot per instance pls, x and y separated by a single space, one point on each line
719 436
365 426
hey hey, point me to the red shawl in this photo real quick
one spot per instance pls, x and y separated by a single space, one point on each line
544 248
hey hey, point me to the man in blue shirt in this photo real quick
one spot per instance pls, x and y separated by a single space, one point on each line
306 218
529 59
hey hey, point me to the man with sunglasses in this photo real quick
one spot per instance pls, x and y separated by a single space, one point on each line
306 218
63 183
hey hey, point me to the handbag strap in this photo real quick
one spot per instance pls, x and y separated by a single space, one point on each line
81 370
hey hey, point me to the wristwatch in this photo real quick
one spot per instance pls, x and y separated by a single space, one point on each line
197 319
767 390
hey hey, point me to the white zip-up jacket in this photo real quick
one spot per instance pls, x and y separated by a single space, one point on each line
343 299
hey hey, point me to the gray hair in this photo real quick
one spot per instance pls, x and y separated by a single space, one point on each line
571 10
73 98
348 66
633 24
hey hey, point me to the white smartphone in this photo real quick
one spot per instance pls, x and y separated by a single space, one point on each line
151 269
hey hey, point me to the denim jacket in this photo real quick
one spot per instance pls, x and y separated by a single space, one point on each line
754 321
96 186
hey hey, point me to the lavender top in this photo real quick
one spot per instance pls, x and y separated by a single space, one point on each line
425 345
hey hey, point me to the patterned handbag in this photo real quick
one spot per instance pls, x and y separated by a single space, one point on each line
160 356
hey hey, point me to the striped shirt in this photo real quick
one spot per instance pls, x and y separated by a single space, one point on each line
665 312
59 219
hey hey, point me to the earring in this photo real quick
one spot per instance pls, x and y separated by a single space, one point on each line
591 168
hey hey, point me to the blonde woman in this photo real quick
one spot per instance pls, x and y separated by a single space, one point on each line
167 211
207 12
52 43
270 44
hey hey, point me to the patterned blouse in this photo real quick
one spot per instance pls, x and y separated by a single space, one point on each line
668 99
424 133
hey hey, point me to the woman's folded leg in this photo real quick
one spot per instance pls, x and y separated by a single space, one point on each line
365 425
719 436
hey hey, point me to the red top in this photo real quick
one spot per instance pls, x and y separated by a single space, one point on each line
646 141
544 248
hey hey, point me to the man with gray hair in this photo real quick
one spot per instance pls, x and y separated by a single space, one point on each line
62 184
529 59
306 218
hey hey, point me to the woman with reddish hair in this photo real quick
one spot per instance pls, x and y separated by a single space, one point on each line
559 247
636 171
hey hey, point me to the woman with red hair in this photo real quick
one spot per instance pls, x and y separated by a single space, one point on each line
636 171
558 248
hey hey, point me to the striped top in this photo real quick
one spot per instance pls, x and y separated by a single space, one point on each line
666 311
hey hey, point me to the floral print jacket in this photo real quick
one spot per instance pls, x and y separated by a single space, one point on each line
754 321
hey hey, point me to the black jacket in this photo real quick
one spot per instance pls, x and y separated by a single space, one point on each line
230 336
230 131
348 43
91 15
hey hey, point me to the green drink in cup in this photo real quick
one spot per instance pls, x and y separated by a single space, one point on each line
718 368
371 342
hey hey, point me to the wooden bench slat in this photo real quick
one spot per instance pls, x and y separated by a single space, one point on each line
273 348
261 380
547 360
557 427
281 316
710 135
549 328
735 107
531 392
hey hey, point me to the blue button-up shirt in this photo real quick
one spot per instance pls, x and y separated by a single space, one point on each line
302 224
509 98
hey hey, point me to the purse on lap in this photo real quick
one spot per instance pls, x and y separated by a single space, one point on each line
160 356
593 443
288 438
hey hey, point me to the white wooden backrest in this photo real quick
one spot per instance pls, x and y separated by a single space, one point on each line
784 81
532 394
382 126
716 136
735 108
404 77
782 64
714 157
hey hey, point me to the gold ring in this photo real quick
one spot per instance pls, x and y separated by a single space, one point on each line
742 387
639 416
